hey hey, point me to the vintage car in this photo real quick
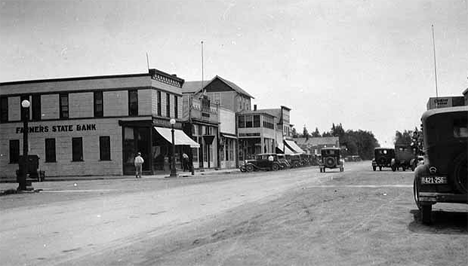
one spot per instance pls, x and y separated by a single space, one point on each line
444 174
283 161
405 158
263 161
382 158
294 160
331 158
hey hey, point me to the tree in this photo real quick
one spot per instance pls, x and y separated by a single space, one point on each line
316 133
305 132
404 138
294 133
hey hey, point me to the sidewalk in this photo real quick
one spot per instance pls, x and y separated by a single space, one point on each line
11 183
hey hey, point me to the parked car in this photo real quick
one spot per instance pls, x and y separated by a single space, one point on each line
420 160
294 160
283 161
263 161
383 158
331 158
405 158
444 175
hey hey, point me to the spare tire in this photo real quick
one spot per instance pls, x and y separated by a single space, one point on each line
330 162
460 172
381 161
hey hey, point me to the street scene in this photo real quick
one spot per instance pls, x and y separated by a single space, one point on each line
293 217
234 132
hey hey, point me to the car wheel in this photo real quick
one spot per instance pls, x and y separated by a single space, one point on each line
393 168
249 168
460 172
413 167
274 167
373 167
380 168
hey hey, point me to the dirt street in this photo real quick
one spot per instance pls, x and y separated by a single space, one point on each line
294 217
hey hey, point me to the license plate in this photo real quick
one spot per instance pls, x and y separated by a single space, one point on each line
434 180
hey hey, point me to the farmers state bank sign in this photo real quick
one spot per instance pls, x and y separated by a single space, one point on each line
57 128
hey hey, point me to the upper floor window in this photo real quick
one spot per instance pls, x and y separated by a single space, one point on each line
248 121
4 109
159 103
24 111
132 102
256 121
64 105
217 97
168 105
36 107
176 107
98 104
241 121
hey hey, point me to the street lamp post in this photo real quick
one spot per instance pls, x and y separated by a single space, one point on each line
173 169
22 180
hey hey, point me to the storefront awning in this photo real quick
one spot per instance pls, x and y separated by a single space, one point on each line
180 138
287 150
293 146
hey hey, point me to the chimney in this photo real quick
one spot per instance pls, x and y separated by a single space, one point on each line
255 107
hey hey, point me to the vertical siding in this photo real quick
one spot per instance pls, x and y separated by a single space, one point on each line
81 104
14 109
154 102
115 103
50 106
144 102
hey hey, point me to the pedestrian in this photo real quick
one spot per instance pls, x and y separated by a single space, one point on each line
138 165
185 164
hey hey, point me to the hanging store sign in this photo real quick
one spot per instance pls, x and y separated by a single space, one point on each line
57 128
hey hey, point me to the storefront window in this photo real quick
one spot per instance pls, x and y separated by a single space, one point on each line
14 150
77 149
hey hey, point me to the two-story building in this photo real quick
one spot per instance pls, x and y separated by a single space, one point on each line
93 125
229 99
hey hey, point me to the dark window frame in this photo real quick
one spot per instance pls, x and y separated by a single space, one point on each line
64 107
98 100
256 121
176 107
77 149
168 105
104 148
3 109
36 107
14 150
133 102
50 150
241 121
159 103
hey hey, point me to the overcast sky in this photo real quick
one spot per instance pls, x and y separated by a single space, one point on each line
366 64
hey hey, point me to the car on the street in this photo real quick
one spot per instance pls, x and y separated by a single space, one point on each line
263 161
405 158
382 158
294 160
331 158
283 161
444 175
420 160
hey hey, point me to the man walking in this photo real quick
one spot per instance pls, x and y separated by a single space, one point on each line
138 165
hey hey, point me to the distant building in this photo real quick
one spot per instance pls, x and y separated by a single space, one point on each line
314 145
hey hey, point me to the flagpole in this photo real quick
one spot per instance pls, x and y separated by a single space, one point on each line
435 66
